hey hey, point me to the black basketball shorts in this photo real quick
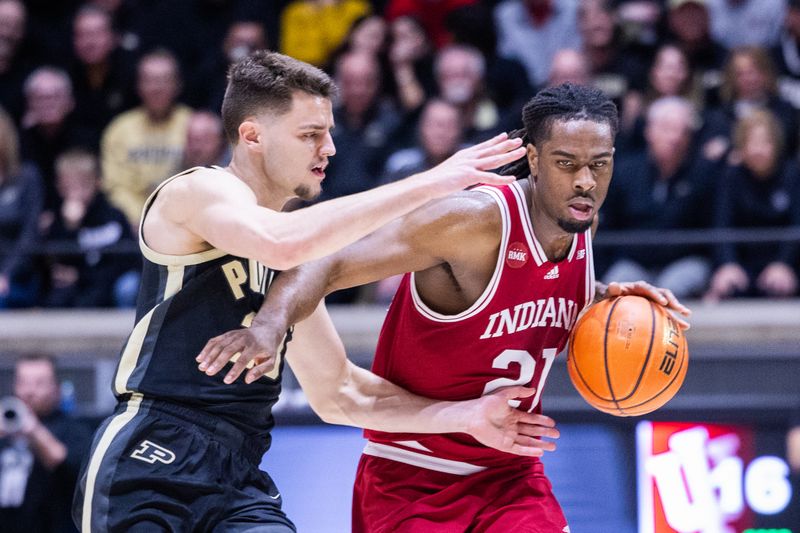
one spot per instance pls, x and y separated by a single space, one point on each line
157 466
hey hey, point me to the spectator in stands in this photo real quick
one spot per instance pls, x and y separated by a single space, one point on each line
21 200
370 34
241 38
205 142
750 83
534 30
13 64
40 455
689 27
411 59
736 23
141 147
432 15
669 75
49 126
786 55
440 134
666 187
761 190
86 219
569 66
365 123
460 76
101 77
506 80
612 68
312 29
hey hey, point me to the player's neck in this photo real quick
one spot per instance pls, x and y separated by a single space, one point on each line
267 193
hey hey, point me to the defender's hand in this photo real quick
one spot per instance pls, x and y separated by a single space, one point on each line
247 348
657 294
494 423
470 166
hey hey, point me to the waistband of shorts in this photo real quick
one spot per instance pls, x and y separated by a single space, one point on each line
212 425
428 460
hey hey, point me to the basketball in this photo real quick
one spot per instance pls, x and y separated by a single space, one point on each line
627 356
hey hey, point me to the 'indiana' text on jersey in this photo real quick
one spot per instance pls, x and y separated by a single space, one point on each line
183 302
509 336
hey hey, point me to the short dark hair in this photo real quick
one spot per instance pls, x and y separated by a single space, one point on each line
563 102
266 81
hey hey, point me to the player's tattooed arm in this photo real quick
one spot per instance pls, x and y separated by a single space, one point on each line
641 288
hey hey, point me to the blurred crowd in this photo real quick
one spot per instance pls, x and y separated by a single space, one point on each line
103 99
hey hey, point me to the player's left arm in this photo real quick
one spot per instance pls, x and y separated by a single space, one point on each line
340 392
659 295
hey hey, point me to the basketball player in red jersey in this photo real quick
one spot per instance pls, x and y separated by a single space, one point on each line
498 276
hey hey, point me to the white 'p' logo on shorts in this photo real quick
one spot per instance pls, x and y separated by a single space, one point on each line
150 452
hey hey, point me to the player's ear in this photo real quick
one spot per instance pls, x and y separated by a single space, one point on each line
533 159
249 133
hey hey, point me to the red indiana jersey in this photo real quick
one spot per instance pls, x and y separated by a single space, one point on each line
509 336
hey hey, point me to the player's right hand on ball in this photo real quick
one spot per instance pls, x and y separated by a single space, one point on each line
246 348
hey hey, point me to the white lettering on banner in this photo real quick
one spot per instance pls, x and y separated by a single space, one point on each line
703 484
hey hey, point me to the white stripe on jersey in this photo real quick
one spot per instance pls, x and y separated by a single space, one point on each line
484 299
408 457
527 226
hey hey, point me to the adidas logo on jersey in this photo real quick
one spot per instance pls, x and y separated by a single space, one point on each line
553 274
581 254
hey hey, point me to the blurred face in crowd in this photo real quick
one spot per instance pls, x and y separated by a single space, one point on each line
440 130
35 384
158 85
689 22
759 152
569 66
77 181
242 39
370 35
358 78
596 23
12 30
93 37
750 83
459 74
12 22
204 140
792 21
668 132
409 40
49 98
670 72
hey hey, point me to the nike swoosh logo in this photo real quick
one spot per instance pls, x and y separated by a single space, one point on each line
275 497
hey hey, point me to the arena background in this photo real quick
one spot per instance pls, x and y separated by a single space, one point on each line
743 379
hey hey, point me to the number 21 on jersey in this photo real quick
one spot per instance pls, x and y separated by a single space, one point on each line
527 369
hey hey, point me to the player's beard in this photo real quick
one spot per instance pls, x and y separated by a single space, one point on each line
575 226
304 192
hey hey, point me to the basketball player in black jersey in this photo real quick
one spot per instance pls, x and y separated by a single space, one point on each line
181 452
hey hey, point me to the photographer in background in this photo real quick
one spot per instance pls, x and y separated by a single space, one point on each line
41 449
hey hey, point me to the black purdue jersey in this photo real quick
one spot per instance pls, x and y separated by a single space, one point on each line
183 302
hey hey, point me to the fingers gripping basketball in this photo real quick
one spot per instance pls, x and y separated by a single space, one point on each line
627 356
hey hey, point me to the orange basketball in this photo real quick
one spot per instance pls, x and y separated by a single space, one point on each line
627 356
